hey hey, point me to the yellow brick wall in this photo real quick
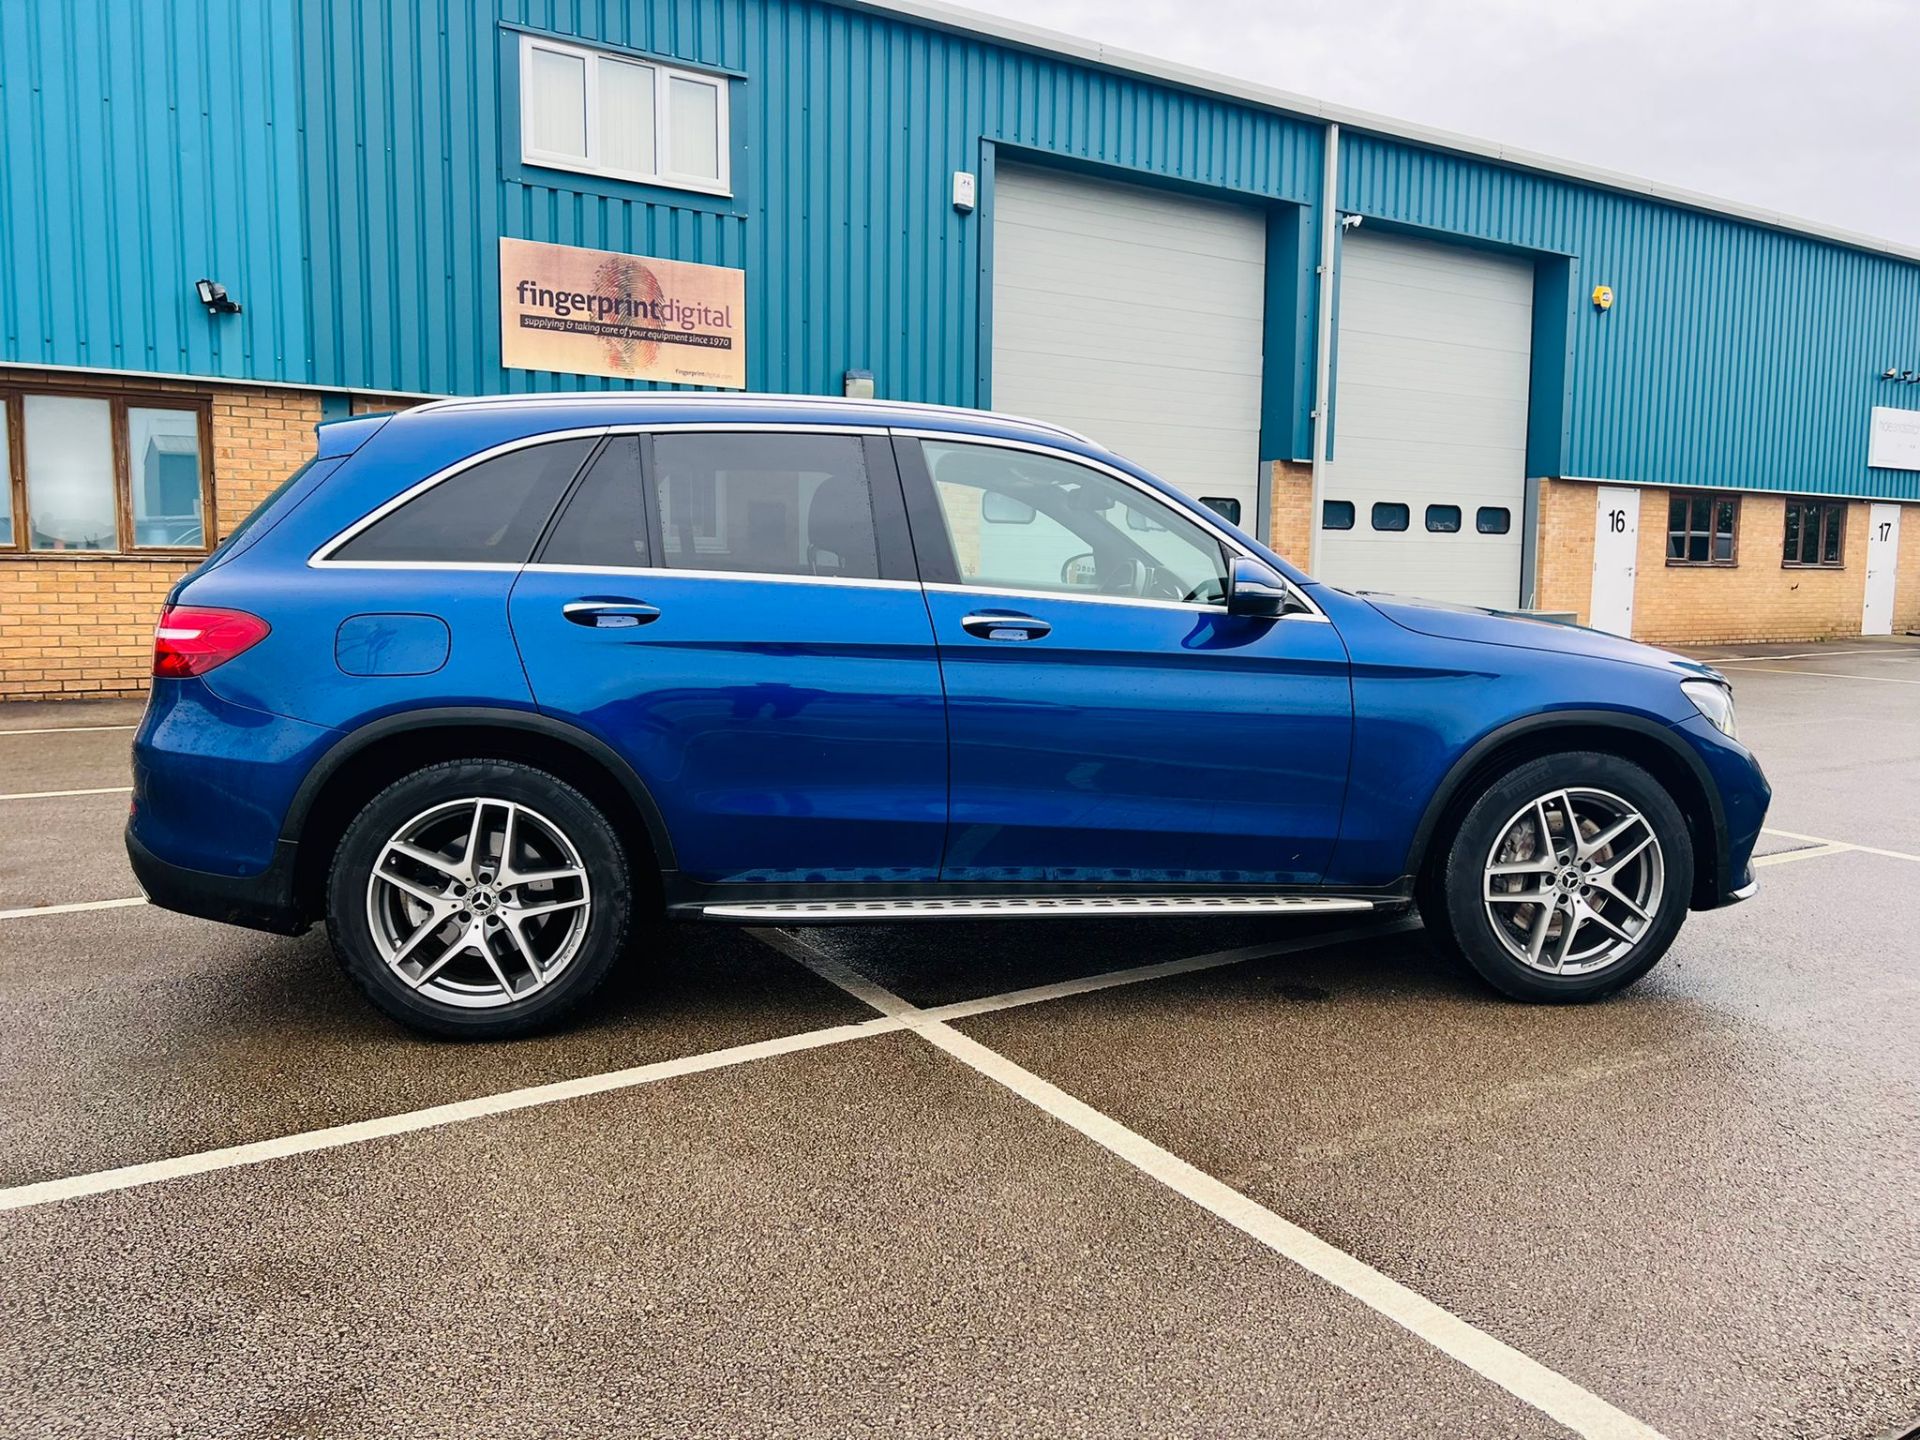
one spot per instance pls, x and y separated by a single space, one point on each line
1292 533
82 625
1759 599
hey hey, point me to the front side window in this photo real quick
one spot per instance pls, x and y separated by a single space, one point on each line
622 117
491 513
766 504
1700 529
1815 532
100 473
1022 521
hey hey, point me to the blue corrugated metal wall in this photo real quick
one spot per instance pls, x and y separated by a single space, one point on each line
143 146
1733 355
348 168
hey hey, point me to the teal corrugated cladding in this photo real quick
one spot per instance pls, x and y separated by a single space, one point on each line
1734 355
143 146
847 127
348 168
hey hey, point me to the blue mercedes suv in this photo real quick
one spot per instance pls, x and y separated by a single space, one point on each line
489 684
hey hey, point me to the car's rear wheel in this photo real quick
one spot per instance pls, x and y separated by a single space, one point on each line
1567 879
479 898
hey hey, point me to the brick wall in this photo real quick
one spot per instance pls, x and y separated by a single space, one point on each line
1292 533
76 625
1758 599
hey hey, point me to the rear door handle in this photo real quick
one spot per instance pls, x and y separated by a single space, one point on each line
1005 625
598 614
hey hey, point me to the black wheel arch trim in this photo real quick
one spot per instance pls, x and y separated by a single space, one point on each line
449 717
1532 725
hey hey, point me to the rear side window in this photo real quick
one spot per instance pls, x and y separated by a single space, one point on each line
767 504
490 513
604 525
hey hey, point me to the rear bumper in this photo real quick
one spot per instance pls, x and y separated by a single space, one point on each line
259 902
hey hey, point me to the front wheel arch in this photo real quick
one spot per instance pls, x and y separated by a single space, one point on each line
1647 743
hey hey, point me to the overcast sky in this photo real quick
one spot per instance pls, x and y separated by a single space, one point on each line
1811 108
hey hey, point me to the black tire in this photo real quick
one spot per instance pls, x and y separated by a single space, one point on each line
1455 887
592 945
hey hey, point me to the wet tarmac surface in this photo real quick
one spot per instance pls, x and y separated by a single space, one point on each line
1694 1201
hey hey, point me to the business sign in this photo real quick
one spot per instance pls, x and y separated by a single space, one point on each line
1894 441
597 312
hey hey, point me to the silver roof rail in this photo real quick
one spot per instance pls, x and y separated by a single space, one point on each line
675 399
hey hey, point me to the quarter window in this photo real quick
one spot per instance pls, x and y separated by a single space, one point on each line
1701 529
1815 533
488 514
1019 520
768 504
102 473
622 117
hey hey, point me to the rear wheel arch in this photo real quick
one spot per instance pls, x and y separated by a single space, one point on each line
1647 743
372 757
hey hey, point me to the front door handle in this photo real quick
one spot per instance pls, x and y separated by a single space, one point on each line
1005 625
598 614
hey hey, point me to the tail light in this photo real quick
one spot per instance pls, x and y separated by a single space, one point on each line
191 639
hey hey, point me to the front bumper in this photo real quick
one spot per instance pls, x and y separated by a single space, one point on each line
259 902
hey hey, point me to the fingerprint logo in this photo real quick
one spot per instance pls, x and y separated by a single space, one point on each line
630 281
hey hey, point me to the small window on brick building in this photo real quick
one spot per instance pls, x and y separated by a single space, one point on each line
1701 529
109 473
1815 534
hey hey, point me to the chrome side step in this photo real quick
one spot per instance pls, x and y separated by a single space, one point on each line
1021 906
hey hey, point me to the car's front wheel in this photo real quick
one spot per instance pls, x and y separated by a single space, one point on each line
479 899
1567 879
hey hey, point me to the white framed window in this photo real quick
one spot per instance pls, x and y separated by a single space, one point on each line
628 119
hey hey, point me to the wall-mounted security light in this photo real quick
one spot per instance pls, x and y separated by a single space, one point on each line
857 384
213 295
1352 222
1890 373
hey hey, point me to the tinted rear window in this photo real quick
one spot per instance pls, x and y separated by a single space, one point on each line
492 512
773 504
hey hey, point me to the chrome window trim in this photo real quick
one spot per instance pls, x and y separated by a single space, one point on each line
322 558
665 573
1198 514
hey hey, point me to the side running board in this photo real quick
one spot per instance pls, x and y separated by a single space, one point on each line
961 907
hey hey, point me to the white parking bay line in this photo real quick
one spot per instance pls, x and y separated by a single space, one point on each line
1837 846
67 794
65 729
1829 675
1811 852
129 1176
27 912
1548 1391
19 1197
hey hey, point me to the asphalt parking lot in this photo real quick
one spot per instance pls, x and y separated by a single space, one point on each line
1222 1178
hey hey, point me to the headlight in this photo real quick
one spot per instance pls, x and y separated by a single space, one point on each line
1715 701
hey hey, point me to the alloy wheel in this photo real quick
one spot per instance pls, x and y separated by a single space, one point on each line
1573 881
478 902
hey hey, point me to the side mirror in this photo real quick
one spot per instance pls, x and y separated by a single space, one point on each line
1259 592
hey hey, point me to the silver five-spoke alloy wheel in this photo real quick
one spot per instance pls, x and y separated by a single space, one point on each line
478 902
1573 881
